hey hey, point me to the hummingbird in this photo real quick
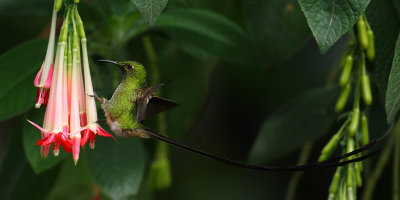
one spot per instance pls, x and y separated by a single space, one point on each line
133 101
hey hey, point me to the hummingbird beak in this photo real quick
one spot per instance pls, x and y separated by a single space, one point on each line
109 61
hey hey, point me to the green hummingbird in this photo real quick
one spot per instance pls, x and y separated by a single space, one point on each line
133 101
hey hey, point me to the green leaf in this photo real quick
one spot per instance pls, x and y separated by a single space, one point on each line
18 68
32 151
17 180
117 168
278 28
17 7
393 89
330 19
302 119
384 21
73 182
150 9
209 32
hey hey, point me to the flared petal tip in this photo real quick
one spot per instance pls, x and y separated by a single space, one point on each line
37 105
56 152
42 156
76 161
36 81
76 140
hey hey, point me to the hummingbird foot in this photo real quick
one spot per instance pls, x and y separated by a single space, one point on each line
101 100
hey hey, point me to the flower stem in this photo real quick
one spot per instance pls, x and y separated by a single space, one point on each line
161 175
381 163
396 165
155 72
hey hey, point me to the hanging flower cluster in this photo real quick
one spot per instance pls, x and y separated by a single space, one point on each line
354 131
71 116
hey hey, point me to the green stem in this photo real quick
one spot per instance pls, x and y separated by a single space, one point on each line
377 172
294 181
396 165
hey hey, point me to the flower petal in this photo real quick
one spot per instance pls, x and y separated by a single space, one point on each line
100 131
40 128
38 76
85 136
48 140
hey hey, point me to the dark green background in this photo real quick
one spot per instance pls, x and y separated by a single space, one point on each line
249 77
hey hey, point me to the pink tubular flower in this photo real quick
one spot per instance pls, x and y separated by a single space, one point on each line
76 90
92 127
44 76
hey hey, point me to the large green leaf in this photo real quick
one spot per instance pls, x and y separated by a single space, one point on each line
17 179
278 28
209 32
32 151
385 23
18 68
150 9
73 182
117 168
393 89
330 19
302 119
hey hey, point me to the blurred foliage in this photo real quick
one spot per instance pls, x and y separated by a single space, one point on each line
249 79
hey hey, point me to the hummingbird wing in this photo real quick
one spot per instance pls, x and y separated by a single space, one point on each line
148 105
157 105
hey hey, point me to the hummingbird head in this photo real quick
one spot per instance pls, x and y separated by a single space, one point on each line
131 69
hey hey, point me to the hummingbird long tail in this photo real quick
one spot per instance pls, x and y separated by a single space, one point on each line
334 162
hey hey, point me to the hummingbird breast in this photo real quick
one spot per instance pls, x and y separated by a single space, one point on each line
120 110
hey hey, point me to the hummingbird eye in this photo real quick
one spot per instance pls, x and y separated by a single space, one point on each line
129 66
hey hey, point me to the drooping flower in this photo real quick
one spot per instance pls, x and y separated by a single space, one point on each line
71 116
44 76
92 128
76 91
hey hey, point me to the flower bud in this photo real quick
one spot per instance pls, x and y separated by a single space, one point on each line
371 46
366 89
335 181
364 130
357 171
344 95
58 5
354 121
346 73
329 148
160 174
362 33
350 175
